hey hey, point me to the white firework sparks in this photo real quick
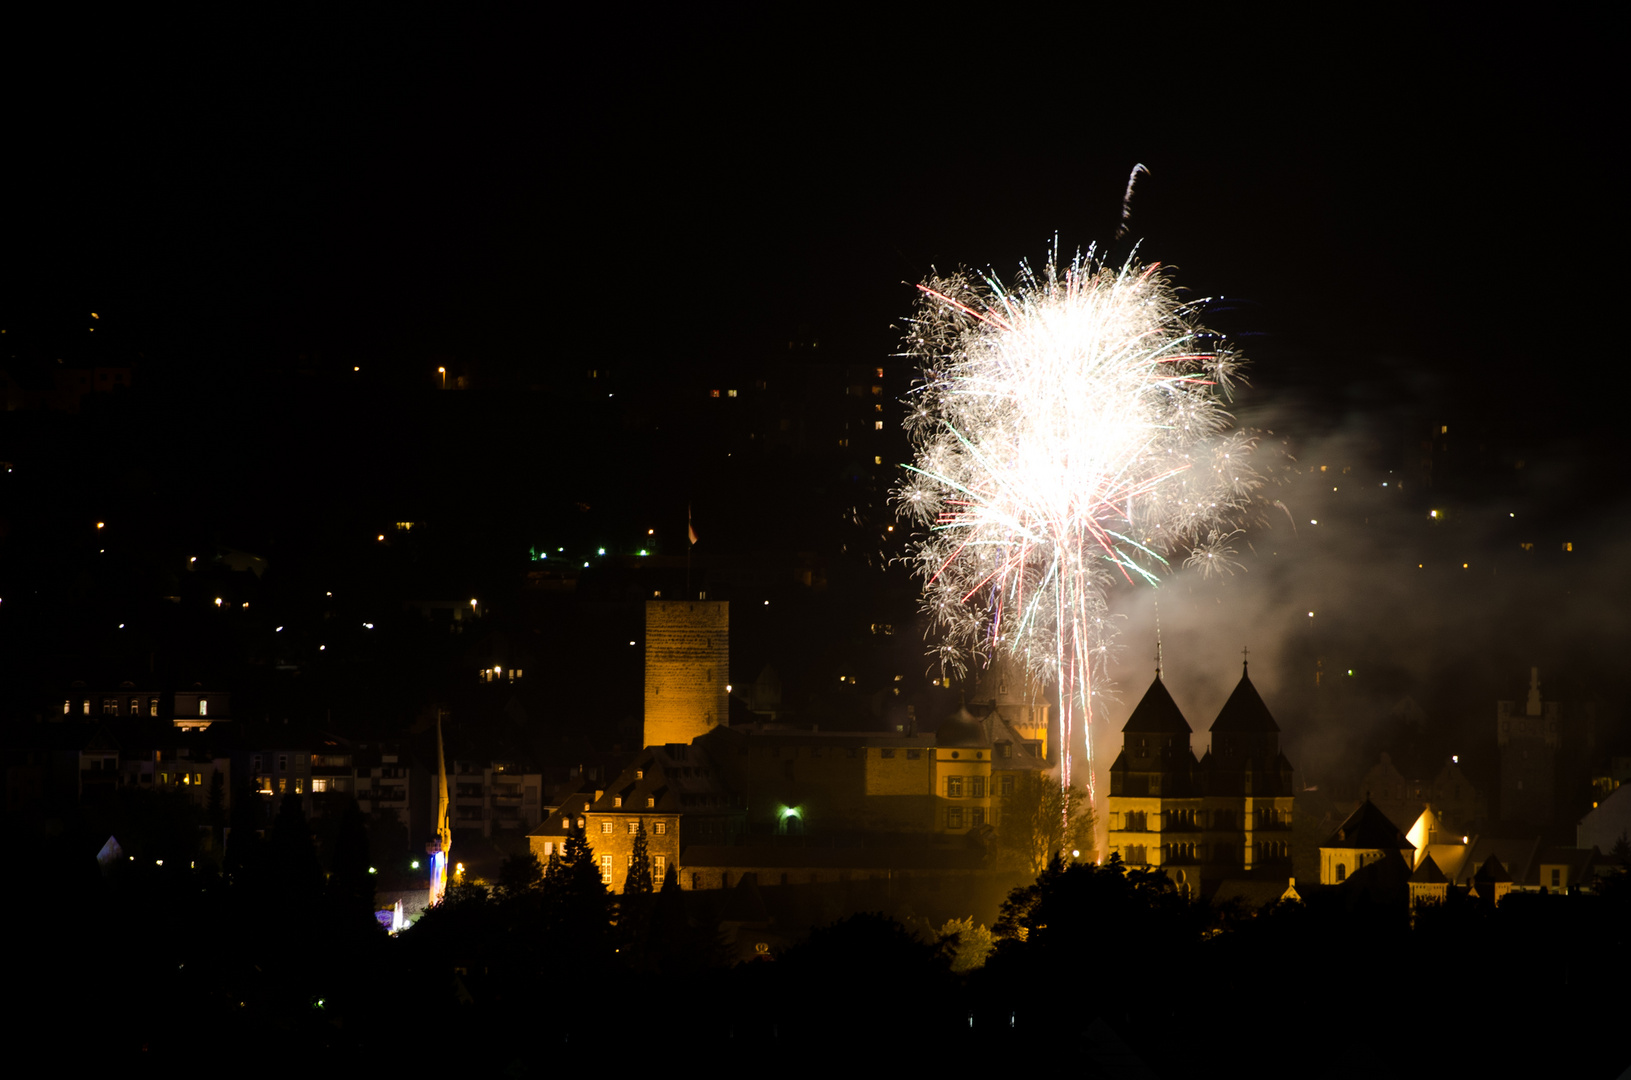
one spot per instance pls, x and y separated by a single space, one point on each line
1069 432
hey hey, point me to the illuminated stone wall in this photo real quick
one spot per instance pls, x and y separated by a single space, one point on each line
687 666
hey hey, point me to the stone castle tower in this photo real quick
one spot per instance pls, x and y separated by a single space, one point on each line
1529 741
687 668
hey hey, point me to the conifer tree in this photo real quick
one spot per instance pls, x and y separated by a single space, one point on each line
638 882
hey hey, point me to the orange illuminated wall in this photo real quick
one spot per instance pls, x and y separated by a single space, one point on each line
687 664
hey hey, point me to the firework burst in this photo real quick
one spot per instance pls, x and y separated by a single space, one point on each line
1069 433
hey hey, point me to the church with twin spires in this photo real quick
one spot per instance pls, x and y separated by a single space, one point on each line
1226 817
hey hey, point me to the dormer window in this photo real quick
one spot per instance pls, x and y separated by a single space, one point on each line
639 774
651 801
617 801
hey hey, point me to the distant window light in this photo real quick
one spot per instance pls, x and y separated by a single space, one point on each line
877 408
67 706
713 393
877 425
651 800
617 801
606 827
605 869
634 827
1568 546
85 707
877 460
660 828
203 707
299 786
877 391
730 393
878 372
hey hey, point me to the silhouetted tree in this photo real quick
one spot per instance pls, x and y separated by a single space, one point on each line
349 883
520 874
638 882
1031 830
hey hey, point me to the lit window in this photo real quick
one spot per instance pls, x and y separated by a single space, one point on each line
730 393
877 391
878 372
877 461
135 706
203 707
549 848
606 826
877 425
617 800
66 706
318 785
660 828
605 869
634 827
713 393
954 788
580 822
659 867
282 785
651 800
152 706
110 707
85 707
299 786
976 787
639 774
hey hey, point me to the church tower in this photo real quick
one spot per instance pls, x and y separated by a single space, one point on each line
1248 788
1154 802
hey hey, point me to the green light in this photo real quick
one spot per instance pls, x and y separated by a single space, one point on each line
416 864
790 811
642 551
602 551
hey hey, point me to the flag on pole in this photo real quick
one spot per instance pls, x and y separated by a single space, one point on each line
690 529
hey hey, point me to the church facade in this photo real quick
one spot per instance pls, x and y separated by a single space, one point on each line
1226 816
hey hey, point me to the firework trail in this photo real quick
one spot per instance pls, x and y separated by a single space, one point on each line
1069 432
1127 199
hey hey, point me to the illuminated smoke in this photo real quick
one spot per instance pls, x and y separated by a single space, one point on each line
1068 431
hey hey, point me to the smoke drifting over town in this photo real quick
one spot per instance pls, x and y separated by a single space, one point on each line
1399 554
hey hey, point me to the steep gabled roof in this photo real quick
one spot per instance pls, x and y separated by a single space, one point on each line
1157 713
1428 873
1368 827
1245 711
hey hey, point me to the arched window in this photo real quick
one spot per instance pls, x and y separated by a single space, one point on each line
1342 872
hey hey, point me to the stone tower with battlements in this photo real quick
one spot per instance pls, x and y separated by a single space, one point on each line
687 669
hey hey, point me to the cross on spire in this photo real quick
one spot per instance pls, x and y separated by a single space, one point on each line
1245 658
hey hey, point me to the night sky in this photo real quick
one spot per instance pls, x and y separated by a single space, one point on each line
1407 220
1436 193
